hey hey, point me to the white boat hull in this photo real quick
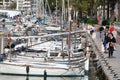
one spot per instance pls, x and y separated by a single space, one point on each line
20 70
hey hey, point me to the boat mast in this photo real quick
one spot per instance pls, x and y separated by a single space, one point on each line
37 4
2 42
49 9
9 43
56 11
62 21
69 35
40 8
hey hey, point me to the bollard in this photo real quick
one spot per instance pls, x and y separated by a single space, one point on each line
115 76
27 69
109 67
112 72
45 75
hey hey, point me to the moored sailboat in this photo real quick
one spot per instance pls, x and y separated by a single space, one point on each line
54 65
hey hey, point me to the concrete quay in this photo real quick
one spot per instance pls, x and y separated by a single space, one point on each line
110 66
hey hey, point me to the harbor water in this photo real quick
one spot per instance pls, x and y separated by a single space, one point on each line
4 77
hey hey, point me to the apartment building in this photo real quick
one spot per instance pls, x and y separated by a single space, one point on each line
4 4
34 6
28 6
24 6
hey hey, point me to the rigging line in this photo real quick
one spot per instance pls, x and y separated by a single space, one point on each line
48 6
49 9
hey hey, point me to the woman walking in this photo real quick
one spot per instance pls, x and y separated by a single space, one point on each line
110 49
105 41
111 40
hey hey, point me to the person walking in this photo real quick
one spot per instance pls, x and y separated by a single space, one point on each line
111 42
111 29
105 41
101 30
105 38
111 38
110 49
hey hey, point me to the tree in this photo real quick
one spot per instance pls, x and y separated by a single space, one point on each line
13 5
91 4
103 4
112 6
118 10
52 4
79 6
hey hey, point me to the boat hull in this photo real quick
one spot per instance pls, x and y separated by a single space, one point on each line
22 70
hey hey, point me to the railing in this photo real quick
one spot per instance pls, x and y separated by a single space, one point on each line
6 23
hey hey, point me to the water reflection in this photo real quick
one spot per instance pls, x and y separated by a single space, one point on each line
3 77
27 78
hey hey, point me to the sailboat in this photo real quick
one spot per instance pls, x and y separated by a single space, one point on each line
55 64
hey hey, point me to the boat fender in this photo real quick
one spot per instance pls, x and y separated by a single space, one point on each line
27 69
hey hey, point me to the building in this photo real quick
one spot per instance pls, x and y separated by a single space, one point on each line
24 6
4 4
28 6
31 6
10 13
34 6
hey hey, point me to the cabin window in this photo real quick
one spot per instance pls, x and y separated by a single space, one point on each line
43 39
64 54
36 39
54 54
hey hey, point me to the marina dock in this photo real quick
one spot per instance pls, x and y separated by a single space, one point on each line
110 67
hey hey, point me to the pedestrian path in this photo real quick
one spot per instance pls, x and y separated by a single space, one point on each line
111 66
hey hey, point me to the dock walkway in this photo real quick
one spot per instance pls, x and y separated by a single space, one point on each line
110 66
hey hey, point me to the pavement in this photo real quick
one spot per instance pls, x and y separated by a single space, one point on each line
111 66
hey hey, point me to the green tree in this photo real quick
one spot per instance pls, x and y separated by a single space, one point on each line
91 7
112 6
12 5
78 5
52 4
119 10
101 3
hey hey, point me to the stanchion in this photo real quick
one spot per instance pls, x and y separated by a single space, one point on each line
45 75
27 69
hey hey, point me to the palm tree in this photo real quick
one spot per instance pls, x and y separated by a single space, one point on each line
13 5
91 4
112 5
79 6
103 4
118 10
